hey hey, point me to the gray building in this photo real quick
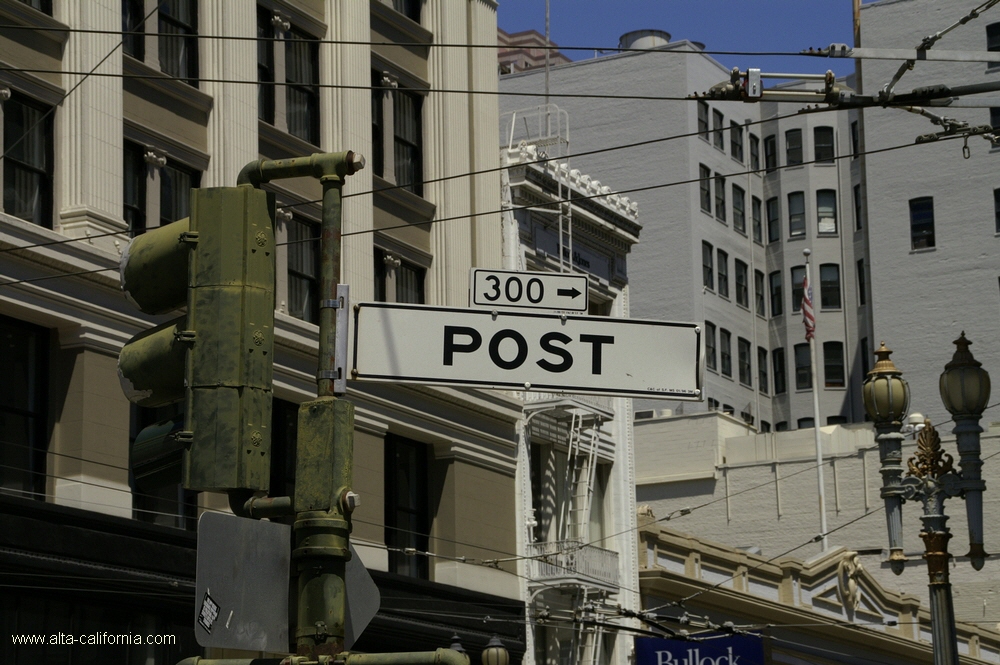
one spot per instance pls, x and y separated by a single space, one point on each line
934 215
734 192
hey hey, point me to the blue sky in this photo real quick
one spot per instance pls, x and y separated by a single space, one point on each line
729 25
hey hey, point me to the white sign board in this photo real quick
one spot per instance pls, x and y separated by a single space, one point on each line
533 290
527 351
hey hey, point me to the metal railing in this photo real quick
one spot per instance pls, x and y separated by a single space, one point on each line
571 561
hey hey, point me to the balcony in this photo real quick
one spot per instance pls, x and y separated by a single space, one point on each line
571 563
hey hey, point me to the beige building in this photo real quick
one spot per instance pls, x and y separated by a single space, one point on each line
186 98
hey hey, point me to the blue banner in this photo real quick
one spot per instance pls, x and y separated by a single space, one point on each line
704 650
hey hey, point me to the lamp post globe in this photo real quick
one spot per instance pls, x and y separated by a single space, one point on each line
964 384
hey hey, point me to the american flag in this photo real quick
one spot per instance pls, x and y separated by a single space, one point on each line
808 317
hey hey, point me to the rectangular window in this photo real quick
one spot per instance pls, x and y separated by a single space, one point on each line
776 300
996 209
855 140
178 40
410 283
826 211
23 407
739 209
778 361
773 220
922 222
710 359
725 351
176 182
703 120
770 153
134 188
746 373
758 225
408 145
803 367
829 286
705 187
742 285
796 214
762 370
302 91
823 144
993 41
798 277
833 364
265 65
717 130
408 8
995 116
862 285
754 153
707 269
407 515
303 269
27 160
857 208
793 147
720 197
758 293
397 280
44 6
133 29
723 273
736 140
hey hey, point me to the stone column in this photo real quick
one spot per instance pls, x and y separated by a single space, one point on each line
232 127
88 125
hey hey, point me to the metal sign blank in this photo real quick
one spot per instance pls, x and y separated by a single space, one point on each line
532 290
241 588
527 351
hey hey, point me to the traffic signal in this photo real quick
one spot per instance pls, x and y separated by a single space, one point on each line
217 358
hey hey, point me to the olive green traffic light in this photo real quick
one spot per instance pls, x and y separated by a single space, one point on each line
218 357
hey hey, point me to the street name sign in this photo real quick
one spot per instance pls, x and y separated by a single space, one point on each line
532 290
724 649
527 351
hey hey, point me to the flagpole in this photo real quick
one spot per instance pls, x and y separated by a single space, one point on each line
810 335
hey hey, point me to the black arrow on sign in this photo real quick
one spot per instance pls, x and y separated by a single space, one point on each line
572 293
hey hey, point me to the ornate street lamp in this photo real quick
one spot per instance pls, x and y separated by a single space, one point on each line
887 397
965 390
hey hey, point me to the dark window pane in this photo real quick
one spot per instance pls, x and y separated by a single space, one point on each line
44 6
176 182
178 43
410 283
996 208
798 277
758 293
742 284
302 91
993 41
710 358
720 197
407 519
27 164
723 273
707 271
717 130
739 209
758 224
857 207
705 187
793 147
833 364
762 370
754 152
703 120
725 351
23 407
303 269
408 144
378 142
862 286
736 140
133 15
408 8
746 374
922 222
803 367
829 286
265 66
773 221
855 140
826 211
134 188
778 360
823 144
776 298
379 272
796 214
770 153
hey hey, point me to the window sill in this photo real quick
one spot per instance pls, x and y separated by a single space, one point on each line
20 13
722 221
725 297
837 388
923 250
831 309
274 143
828 234
742 233
385 191
745 308
762 317
825 164
737 160
410 29
798 237
158 82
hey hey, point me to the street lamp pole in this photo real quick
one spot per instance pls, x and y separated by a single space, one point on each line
931 476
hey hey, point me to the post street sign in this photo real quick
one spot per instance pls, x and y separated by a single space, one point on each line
533 290
527 351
